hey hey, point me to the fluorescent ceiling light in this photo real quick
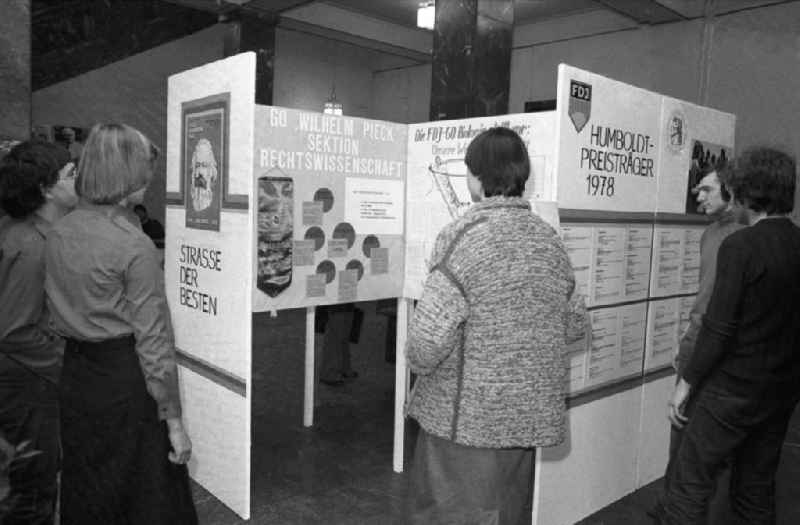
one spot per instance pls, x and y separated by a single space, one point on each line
426 14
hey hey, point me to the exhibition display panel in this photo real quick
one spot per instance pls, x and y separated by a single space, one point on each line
627 160
274 208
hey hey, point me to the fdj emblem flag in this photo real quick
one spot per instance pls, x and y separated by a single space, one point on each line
580 103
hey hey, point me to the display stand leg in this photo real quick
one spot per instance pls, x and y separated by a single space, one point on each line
400 383
537 470
308 381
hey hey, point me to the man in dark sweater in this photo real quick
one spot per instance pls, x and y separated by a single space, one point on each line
746 379
713 199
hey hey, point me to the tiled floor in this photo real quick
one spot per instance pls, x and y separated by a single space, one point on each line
340 471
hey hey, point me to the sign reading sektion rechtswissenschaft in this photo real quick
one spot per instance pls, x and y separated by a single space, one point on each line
331 207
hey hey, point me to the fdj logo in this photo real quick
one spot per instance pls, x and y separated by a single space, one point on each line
580 90
580 104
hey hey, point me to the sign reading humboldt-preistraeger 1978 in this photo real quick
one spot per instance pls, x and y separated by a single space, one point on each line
609 144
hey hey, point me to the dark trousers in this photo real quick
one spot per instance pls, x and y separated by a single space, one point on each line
451 484
336 344
29 413
718 513
675 440
748 429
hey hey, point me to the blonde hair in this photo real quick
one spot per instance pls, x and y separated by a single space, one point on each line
117 160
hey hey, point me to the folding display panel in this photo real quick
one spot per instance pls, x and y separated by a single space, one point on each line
208 266
272 208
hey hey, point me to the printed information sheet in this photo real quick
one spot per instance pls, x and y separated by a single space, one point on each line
662 332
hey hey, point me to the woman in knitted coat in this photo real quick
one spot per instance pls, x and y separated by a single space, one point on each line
488 342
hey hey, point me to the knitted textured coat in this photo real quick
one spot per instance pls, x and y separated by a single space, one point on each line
489 335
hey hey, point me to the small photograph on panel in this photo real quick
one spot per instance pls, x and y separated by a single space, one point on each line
204 161
275 233
705 156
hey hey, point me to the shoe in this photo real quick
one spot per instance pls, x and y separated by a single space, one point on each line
332 381
656 512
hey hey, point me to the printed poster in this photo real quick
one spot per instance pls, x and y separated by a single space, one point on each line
436 190
611 261
331 209
663 331
705 155
608 143
204 163
617 343
208 266
693 137
676 259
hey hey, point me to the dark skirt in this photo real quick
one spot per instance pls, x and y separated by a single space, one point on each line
115 467
451 484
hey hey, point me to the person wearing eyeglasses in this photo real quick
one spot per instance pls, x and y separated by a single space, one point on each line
36 189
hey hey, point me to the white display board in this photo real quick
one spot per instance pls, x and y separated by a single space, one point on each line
627 160
635 238
272 208
691 135
208 266
596 464
331 208
609 141
436 188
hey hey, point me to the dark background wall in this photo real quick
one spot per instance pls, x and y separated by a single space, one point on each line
15 70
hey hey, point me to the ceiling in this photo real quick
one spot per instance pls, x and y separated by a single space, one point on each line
404 12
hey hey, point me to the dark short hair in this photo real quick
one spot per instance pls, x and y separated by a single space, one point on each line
27 170
722 169
140 207
499 159
763 180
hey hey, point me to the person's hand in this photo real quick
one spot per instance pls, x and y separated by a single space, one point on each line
678 403
179 439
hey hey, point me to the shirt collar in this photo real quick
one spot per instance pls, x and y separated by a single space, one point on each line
726 217
111 211
42 225
500 202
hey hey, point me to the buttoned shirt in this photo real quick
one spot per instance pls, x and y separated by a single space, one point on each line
24 338
104 281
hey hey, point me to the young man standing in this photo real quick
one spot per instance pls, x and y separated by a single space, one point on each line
714 200
745 374
37 188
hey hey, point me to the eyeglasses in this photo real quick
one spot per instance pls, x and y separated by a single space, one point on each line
68 172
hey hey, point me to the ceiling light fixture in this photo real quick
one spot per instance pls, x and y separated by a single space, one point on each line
332 106
426 14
